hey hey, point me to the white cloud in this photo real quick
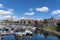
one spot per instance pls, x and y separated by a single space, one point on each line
15 18
58 15
0 15
40 19
10 10
6 14
56 12
1 5
8 17
23 18
30 9
29 13
5 17
3 12
43 9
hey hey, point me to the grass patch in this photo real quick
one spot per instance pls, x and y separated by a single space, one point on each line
50 27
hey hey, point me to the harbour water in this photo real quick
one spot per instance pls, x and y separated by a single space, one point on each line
34 37
38 35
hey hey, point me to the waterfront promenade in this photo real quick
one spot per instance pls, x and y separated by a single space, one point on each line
51 31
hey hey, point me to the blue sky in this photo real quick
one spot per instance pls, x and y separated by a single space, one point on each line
36 9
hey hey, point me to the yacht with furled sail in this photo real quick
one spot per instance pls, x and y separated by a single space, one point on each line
5 31
26 33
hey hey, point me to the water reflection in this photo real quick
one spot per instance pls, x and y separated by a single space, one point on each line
51 38
41 37
38 37
9 37
34 37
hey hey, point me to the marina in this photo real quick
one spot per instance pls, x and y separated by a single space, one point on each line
29 19
22 31
30 33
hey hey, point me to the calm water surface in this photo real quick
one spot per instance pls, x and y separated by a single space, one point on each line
34 37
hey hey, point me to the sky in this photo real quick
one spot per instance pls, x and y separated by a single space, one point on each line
29 9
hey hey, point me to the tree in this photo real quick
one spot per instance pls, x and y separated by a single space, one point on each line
6 21
45 21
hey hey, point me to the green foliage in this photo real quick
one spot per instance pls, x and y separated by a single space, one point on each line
45 21
50 27
6 21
